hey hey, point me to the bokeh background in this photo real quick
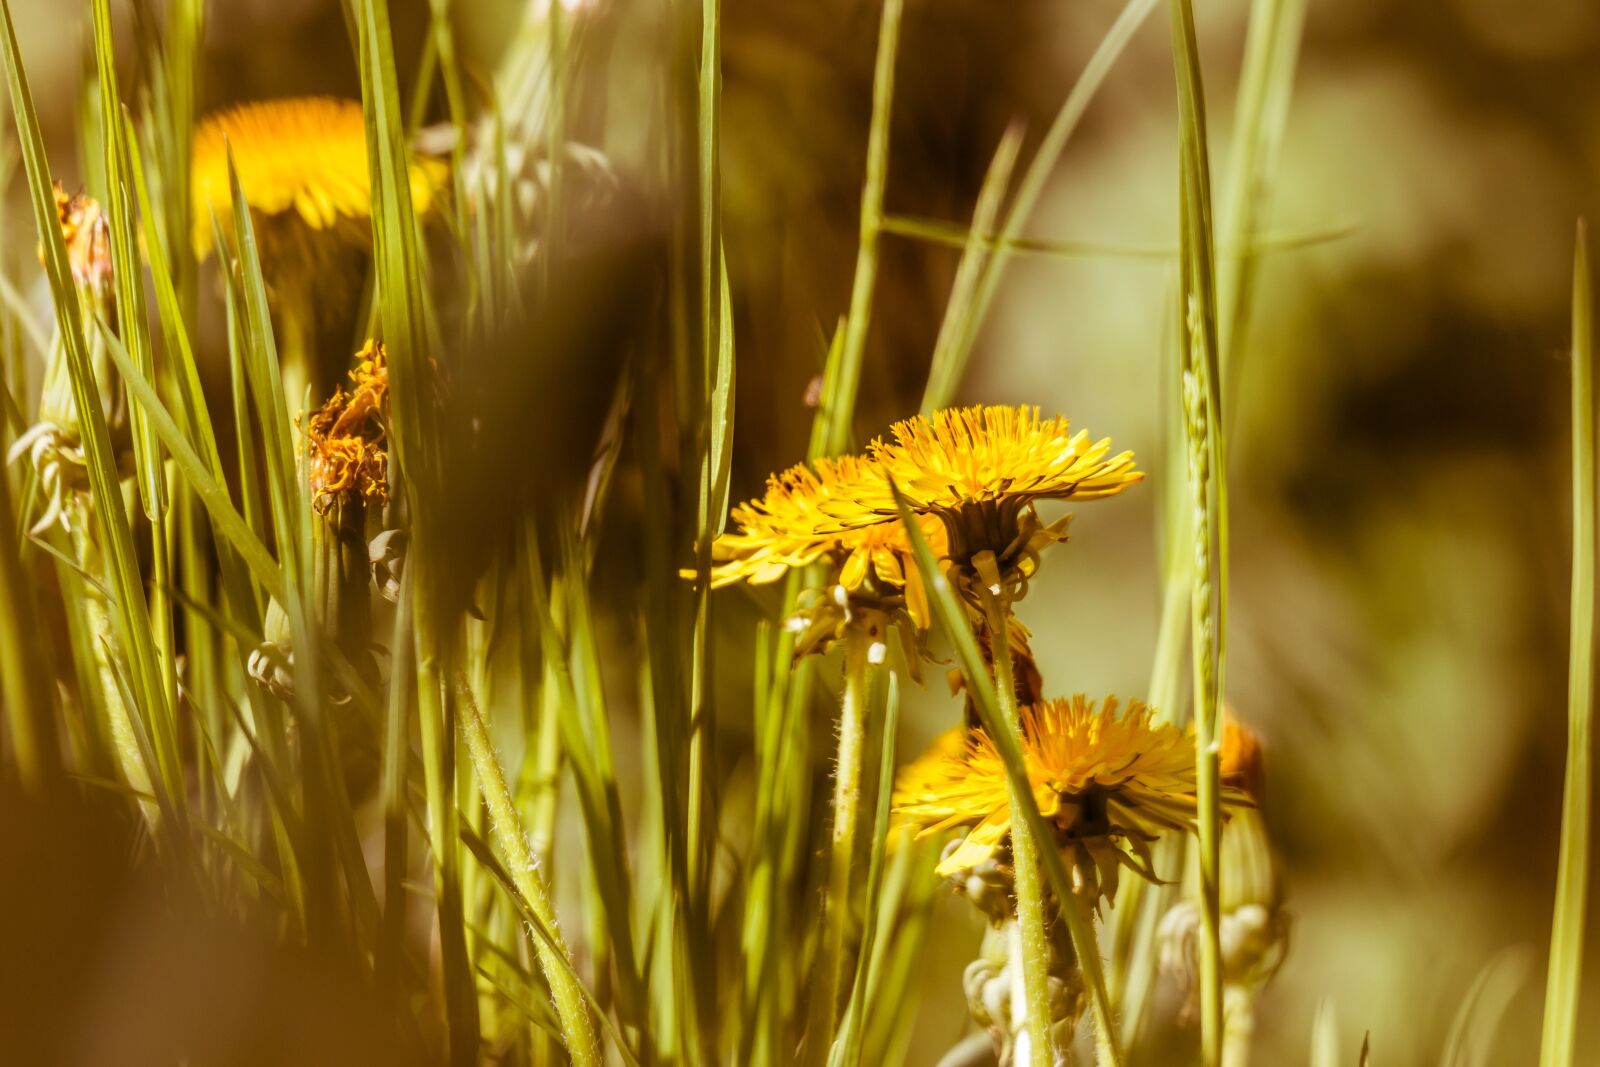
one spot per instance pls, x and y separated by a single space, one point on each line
1400 437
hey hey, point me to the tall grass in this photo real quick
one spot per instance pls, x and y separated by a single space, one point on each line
502 886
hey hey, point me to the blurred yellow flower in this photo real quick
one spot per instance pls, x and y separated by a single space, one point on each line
345 457
303 158
1109 783
1239 761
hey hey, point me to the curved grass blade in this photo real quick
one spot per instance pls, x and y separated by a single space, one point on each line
131 619
1563 983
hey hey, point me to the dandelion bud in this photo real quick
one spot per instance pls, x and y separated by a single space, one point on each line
1254 925
387 555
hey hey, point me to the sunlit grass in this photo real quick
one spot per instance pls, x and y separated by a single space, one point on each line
501 803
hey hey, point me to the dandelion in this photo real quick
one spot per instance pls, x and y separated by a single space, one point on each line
979 470
1254 927
347 469
1107 783
872 582
54 443
346 461
303 165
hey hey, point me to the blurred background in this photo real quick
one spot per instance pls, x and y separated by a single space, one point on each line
1399 472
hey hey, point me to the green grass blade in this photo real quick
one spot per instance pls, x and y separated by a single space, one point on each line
1272 46
1325 1036
836 438
1205 433
25 685
127 275
566 990
944 370
1037 176
954 235
131 615
546 935
212 493
1471 1040
980 684
1563 983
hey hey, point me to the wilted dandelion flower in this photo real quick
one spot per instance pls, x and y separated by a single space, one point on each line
873 574
302 163
346 460
980 470
1108 783
54 444
88 238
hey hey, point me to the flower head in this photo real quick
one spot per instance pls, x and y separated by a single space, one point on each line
1108 783
795 525
344 439
299 159
980 470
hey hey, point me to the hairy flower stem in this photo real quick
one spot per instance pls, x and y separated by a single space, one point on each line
506 824
858 677
1035 1043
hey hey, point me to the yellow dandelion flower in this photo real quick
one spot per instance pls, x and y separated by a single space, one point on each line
980 469
300 158
1108 783
793 525
344 439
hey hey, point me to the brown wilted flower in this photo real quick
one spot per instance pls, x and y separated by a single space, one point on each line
344 439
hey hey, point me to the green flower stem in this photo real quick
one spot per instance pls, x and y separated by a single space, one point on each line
858 675
506 823
1238 1026
1025 852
